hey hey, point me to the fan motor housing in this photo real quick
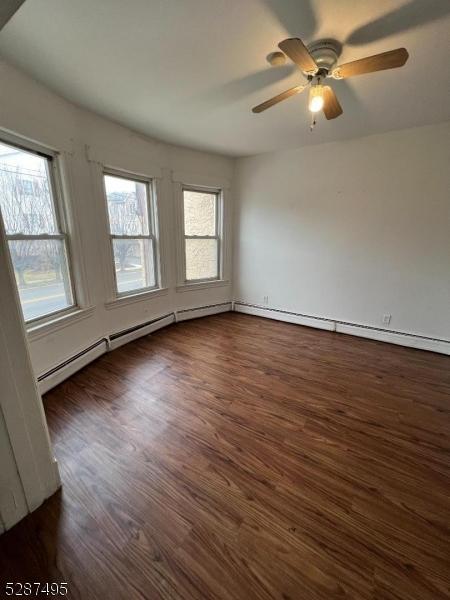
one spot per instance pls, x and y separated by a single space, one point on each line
325 54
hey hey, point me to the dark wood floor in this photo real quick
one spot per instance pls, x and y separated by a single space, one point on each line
233 457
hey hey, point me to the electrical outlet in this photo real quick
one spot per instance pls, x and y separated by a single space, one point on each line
266 300
387 319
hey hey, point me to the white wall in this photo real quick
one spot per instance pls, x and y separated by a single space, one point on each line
350 230
12 500
86 140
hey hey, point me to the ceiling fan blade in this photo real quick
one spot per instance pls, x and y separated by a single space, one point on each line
378 62
331 106
298 53
268 103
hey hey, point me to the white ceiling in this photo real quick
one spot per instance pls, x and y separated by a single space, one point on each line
189 71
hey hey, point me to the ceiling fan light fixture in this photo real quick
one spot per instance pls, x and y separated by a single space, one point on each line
317 62
316 99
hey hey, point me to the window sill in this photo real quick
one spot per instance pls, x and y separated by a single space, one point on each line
202 285
36 332
131 298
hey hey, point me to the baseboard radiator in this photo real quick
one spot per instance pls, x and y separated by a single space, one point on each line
202 311
128 335
71 365
383 335
63 370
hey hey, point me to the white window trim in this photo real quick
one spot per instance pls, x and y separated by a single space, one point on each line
128 162
202 285
117 298
197 284
136 297
54 171
59 322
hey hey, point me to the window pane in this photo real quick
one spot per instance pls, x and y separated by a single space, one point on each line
127 206
41 272
199 213
25 192
201 259
134 264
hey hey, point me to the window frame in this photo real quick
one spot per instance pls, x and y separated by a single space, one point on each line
54 176
152 235
218 193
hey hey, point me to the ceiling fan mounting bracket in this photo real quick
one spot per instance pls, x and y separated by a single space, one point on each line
325 53
276 59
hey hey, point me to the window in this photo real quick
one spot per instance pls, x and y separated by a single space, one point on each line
34 228
132 231
202 218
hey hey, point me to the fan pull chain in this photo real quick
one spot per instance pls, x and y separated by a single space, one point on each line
313 122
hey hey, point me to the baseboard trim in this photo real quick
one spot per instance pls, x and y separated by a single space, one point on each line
202 311
60 372
395 337
399 338
128 335
284 315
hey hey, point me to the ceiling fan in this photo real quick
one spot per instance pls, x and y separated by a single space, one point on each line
318 62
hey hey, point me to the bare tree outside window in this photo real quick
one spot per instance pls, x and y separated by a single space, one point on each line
36 243
132 233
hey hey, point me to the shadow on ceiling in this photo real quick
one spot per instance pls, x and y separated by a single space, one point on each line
299 20
242 87
296 17
412 14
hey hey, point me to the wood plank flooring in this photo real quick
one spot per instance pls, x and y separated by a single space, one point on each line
233 457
